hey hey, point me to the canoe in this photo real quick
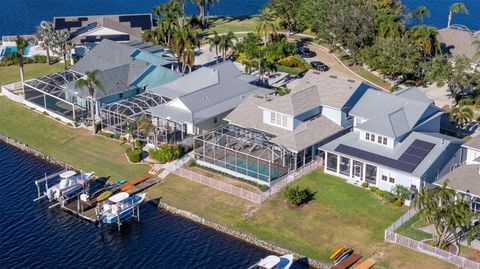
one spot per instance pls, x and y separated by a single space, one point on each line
104 196
367 264
139 179
339 256
334 254
118 183
126 187
344 256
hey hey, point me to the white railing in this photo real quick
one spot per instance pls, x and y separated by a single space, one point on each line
392 237
9 91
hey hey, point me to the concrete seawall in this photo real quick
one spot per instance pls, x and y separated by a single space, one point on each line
179 212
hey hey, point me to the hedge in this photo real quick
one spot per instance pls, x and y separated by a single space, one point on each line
134 155
290 70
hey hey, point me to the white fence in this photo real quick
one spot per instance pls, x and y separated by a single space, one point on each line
391 236
257 198
9 91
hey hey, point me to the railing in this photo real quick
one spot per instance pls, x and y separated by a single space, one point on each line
278 184
9 91
391 236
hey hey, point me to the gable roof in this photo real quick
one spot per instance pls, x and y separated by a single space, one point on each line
392 115
295 103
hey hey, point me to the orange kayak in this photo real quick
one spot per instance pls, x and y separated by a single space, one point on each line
126 187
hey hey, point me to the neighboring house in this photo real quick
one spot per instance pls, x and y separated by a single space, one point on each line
125 70
269 136
193 104
89 29
395 141
464 176
459 41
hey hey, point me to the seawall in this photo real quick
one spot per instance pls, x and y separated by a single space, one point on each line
179 212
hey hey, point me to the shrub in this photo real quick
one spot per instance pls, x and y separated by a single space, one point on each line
138 144
39 59
123 139
58 119
468 101
98 127
106 134
379 193
398 202
297 195
134 155
10 59
45 113
168 152
373 189
191 162
365 185
292 61
282 91
389 197
290 70
76 123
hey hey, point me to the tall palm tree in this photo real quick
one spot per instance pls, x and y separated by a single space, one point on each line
214 42
44 37
456 8
184 41
226 43
189 56
61 44
420 12
92 83
145 125
201 9
21 43
266 28
425 37
461 115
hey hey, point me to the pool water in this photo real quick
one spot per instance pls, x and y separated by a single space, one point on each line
5 50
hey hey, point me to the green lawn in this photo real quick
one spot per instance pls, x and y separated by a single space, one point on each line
77 147
409 229
10 74
340 215
234 24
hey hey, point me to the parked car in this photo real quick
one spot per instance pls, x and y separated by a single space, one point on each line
319 66
306 52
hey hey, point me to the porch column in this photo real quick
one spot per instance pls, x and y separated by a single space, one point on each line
338 164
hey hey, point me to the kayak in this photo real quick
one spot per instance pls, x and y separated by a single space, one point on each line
104 196
338 251
126 187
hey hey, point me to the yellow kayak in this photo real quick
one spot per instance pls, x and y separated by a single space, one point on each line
104 196
338 251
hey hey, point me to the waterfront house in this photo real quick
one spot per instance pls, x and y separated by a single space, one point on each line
193 104
126 70
268 136
464 176
395 141
91 29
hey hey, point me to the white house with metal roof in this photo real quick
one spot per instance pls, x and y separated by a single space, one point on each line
395 140
269 136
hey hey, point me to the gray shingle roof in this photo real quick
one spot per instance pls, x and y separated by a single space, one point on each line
391 115
428 165
250 115
474 142
295 103
465 178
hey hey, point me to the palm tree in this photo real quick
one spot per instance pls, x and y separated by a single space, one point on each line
214 42
44 37
201 9
461 115
92 83
184 42
420 12
21 44
390 27
266 28
61 44
226 43
401 192
131 130
145 125
476 43
425 37
456 8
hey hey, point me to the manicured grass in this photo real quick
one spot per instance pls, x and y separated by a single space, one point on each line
234 24
11 74
77 147
340 215
410 229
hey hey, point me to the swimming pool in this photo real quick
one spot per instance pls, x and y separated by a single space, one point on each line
5 50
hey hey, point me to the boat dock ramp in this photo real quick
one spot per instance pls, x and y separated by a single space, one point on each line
83 201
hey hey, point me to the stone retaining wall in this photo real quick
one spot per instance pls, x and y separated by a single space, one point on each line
242 236
34 152
179 212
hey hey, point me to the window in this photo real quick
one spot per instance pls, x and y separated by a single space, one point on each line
344 166
120 95
384 177
367 136
384 140
391 179
284 121
379 140
371 174
332 162
272 117
372 137
279 119
215 120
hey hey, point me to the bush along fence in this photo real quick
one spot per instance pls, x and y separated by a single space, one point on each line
392 237
242 236
257 198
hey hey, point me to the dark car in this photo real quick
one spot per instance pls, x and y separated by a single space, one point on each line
306 52
319 66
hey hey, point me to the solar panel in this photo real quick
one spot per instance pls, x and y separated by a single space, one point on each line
144 21
407 162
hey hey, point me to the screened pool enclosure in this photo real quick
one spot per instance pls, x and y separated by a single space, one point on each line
48 92
243 153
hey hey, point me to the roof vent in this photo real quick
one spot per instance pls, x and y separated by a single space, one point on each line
205 98
332 76
351 80
258 96
316 72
